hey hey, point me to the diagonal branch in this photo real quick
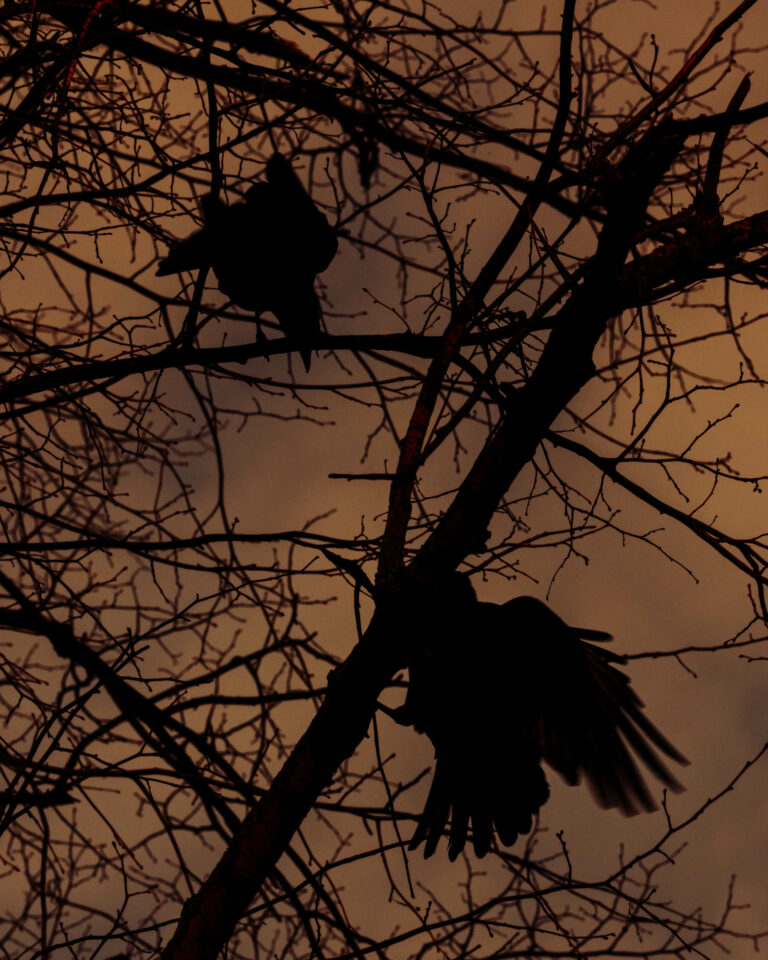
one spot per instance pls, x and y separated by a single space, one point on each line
401 490
209 917
566 362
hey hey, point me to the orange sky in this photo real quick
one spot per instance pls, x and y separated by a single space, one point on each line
278 476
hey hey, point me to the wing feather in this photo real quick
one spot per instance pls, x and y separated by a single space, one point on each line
498 688
588 719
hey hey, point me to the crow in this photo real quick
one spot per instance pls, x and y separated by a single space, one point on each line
265 252
500 687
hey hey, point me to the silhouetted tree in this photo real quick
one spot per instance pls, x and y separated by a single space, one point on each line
542 341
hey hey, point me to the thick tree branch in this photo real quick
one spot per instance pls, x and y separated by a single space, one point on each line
401 490
210 916
566 362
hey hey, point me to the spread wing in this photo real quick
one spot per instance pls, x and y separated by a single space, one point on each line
498 688
487 770
475 782
587 719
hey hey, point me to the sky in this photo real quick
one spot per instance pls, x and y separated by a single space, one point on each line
712 706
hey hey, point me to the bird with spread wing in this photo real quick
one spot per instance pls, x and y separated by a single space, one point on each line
500 687
265 252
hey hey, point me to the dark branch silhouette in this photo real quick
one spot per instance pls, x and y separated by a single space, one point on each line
555 238
265 252
500 687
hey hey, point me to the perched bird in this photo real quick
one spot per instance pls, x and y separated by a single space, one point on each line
498 689
265 252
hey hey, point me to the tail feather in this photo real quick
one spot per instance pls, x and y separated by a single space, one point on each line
482 827
298 313
459 824
486 800
434 816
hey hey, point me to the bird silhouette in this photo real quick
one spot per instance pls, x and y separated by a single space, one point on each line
500 687
265 252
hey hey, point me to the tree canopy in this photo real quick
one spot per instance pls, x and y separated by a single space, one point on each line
540 362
